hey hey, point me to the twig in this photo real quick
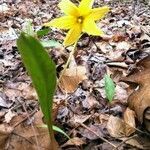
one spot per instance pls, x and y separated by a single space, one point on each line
116 148
79 124
22 137
18 123
117 64
105 140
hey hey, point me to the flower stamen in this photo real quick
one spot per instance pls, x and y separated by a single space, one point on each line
80 20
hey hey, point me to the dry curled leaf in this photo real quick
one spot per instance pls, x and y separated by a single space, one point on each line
137 141
121 128
76 119
115 127
74 141
129 119
139 100
97 128
72 77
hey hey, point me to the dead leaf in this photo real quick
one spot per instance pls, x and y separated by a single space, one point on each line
123 46
115 127
118 37
147 119
129 119
103 118
4 102
74 141
72 77
121 128
139 100
28 92
140 142
104 47
30 136
5 131
9 115
90 102
76 119
3 7
121 94
20 89
8 35
95 128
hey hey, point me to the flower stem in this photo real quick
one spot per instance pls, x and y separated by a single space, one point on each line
68 61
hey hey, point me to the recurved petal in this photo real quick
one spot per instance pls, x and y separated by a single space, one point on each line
68 7
86 3
85 6
90 27
99 13
73 35
65 22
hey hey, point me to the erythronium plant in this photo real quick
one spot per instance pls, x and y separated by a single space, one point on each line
79 19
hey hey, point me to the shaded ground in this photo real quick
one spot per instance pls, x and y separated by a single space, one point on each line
80 108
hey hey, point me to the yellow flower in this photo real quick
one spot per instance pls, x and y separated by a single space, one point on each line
78 19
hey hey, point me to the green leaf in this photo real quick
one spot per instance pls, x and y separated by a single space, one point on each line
50 43
42 70
57 129
109 88
42 32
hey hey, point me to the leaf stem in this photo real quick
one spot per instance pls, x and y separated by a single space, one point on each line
53 143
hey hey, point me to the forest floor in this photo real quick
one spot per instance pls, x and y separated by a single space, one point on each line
80 105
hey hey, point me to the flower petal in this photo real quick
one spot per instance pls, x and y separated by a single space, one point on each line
65 22
99 13
86 4
85 7
73 35
68 7
90 27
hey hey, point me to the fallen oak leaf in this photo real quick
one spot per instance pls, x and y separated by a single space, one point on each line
139 100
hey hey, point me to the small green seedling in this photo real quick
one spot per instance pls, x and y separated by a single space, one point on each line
57 129
109 88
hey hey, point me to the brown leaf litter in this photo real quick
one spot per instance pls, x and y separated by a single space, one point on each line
139 100
72 77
